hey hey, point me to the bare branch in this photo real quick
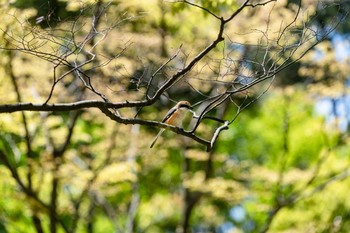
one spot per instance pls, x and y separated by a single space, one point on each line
253 5
200 7
216 134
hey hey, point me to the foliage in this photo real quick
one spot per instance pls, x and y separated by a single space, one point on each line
277 166
287 155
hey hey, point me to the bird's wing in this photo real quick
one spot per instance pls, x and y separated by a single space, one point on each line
169 113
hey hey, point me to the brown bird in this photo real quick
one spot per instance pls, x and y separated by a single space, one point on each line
175 117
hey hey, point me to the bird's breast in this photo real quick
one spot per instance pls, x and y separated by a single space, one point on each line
177 118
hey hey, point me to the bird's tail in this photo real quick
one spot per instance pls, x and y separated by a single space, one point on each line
156 138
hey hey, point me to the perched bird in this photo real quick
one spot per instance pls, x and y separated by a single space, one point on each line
174 117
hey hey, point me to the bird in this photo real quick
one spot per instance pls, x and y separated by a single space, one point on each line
175 116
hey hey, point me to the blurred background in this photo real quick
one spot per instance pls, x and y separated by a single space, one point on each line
282 166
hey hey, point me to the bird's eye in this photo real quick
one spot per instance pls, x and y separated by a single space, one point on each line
185 106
